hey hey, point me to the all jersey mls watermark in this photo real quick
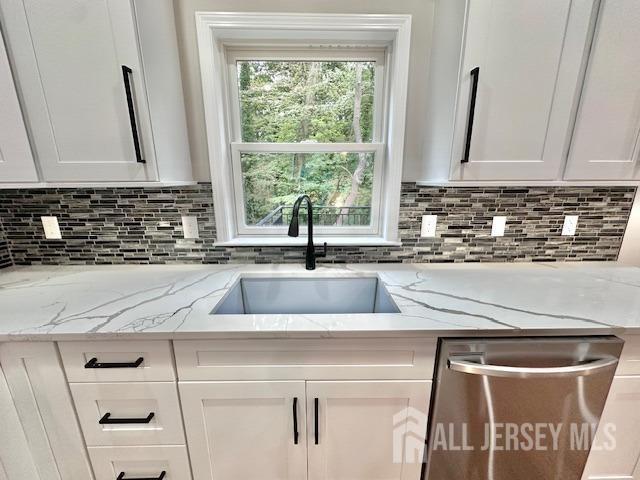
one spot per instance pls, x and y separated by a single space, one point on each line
410 427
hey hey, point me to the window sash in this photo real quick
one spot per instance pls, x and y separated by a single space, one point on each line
237 148
365 54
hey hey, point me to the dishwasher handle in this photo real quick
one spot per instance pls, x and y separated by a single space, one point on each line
582 370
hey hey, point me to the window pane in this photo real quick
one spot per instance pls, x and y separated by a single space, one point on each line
339 185
295 101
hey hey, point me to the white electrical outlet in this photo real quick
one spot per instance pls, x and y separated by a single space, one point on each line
498 225
190 227
570 225
429 223
51 228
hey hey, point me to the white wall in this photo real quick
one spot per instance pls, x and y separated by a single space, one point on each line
630 251
422 23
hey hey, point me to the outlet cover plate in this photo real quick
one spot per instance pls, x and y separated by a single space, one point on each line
190 227
569 226
429 223
51 228
498 225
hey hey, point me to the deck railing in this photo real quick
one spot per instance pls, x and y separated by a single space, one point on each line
322 215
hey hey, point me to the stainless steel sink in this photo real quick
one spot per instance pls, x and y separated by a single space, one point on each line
285 295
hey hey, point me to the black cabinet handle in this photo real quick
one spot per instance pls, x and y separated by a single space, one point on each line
122 474
93 363
126 72
295 420
107 420
475 75
315 419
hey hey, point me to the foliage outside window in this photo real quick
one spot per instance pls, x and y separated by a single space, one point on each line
309 124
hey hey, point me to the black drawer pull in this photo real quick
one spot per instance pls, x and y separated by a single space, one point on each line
93 363
126 72
295 420
107 420
122 474
315 421
475 75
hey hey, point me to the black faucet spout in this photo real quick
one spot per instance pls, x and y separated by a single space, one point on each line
294 231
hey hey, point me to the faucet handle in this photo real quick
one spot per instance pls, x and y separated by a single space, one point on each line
324 251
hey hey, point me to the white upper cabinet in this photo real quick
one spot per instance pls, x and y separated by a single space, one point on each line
16 161
606 143
504 85
90 74
526 58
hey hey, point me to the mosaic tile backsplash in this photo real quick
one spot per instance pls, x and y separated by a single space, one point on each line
143 225
5 254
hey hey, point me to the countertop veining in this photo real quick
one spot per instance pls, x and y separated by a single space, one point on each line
175 301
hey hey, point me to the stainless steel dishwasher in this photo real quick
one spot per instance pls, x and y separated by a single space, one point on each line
523 408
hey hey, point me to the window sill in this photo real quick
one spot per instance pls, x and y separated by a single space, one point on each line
284 241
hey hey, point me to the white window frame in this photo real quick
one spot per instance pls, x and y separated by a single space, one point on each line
238 147
224 38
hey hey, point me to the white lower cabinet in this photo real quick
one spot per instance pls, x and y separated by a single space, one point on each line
296 425
148 462
270 430
358 426
131 421
16 460
42 424
623 413
245 430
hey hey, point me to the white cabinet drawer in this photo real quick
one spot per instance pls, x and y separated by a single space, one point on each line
130 405
156 364
140 462
293 359
630 358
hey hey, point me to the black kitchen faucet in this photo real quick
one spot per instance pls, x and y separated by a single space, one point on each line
294 231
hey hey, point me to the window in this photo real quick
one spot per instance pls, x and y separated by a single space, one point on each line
307 121
299 117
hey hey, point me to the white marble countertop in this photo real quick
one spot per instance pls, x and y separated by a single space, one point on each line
175 301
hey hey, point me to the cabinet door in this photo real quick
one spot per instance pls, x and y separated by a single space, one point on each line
360 423
245 430
37 384
16 161
529 54
69 57
621 412
16 461
606 139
